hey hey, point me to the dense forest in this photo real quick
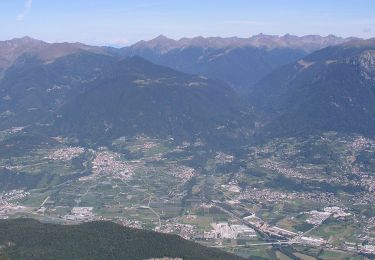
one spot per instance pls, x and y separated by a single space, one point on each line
30 239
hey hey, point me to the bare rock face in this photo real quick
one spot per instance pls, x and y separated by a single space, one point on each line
367 62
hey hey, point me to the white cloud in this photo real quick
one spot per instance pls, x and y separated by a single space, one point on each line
26 10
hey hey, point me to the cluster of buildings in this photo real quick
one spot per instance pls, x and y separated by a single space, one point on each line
172 226
271 231
8 204
368 249
370 227
337 212
312 241
321 197
304 173
9 209
183 172
281 233
363 198
13 195
272 195
232 188
343 180
277 232
224 158
269 195
266 195
66 154
284 170
149 145
360 143
130 223
14 130
318 217
109 163
80 214
223 230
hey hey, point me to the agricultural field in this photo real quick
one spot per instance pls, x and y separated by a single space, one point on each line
305 198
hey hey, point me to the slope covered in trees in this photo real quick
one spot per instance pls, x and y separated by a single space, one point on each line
30 239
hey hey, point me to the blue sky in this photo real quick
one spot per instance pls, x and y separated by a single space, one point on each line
122 22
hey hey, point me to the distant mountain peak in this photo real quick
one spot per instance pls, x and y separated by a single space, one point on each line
11 50
25 40
307 43
355 42
162 37
161 43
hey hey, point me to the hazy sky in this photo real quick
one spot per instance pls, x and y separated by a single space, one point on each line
122 22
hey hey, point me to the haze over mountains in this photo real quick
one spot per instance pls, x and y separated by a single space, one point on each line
100 93
329 90
138 97
307 43
177 136
214 57
240 62
11 50
33 89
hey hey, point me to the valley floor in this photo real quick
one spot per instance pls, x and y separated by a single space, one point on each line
298 197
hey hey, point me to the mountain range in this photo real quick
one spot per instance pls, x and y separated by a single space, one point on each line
214 93
11 50
332 89
31 90
239 62
141 98
308 43
99 93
